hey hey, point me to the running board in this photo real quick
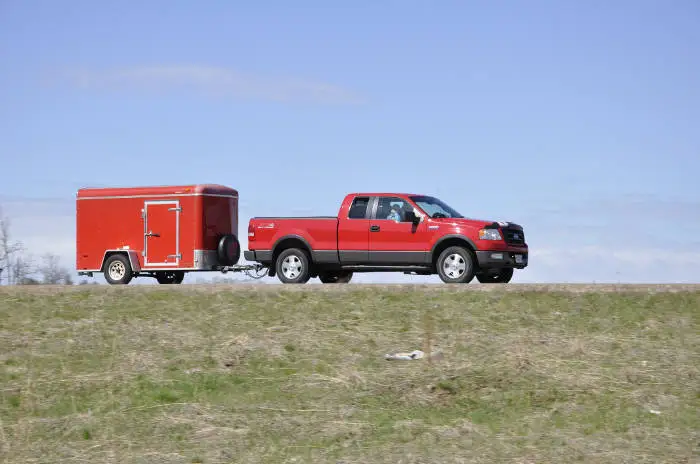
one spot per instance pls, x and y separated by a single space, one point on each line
370 268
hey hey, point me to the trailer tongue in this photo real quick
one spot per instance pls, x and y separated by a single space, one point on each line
254 271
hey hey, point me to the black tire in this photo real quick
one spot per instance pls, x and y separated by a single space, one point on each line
503 277
335 277
463 258
170 277
117 270
228 250
299 273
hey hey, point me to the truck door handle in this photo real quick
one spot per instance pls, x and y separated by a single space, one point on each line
374 229
151 234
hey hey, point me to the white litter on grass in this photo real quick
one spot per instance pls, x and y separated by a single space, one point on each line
415 354
654 411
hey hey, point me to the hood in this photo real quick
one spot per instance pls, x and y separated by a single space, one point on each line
480 223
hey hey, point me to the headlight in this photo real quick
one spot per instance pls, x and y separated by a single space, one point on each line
489 234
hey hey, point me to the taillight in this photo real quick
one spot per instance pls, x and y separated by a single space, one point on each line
251 232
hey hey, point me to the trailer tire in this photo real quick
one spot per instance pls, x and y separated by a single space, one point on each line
455 265
170 277
117 270
293 266
335 277
228 250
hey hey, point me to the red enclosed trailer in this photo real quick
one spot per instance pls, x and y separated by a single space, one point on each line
161 232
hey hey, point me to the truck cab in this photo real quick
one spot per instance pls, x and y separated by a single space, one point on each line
388 232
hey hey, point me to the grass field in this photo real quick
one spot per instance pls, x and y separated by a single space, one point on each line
273 374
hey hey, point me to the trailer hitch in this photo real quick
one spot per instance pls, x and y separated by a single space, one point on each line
254 271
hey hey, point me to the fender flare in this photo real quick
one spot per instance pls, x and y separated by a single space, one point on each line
450 237
277 243
131 254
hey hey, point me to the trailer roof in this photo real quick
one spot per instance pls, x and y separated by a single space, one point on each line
192 189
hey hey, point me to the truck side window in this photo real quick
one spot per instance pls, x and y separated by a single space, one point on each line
393 209
358 209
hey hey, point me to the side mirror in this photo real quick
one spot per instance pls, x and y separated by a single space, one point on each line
412 217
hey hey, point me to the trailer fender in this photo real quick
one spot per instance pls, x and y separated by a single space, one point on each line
131 254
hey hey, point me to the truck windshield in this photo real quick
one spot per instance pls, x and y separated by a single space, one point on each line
435 208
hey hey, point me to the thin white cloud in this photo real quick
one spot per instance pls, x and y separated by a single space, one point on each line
647 257
212 81
627 209
598 263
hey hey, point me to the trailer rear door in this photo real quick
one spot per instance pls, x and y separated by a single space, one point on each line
162 233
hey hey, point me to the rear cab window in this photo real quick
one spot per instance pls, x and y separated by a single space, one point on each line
358 208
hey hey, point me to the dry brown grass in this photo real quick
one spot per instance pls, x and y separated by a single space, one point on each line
252 374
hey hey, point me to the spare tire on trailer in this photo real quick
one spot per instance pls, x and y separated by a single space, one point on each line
228 250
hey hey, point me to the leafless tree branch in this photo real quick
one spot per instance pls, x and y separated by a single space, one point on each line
17 266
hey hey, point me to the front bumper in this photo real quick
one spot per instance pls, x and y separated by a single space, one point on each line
497 259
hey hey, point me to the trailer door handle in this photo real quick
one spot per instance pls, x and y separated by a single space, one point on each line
151 234
374 229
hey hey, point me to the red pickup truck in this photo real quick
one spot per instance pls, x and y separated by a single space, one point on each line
384 232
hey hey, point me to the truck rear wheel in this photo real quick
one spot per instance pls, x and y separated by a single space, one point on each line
293 266
335 277
503 277
455 265
117 270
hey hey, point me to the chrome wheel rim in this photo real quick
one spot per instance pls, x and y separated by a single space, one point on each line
454 266
117 270
291 267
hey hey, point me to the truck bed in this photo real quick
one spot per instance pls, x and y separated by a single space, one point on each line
320 232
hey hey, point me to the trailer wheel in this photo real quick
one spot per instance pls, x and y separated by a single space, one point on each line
503 277
456 265
174 277
117 270
333 277
293 266
228 250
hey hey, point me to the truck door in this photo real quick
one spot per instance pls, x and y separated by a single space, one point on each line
353 232
161 228
393 239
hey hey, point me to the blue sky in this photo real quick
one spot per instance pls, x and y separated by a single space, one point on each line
578 120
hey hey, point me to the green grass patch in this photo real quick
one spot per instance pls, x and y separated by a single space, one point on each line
288 374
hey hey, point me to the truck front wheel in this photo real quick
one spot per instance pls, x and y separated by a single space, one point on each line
117 270
293 266
455 265
503 277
